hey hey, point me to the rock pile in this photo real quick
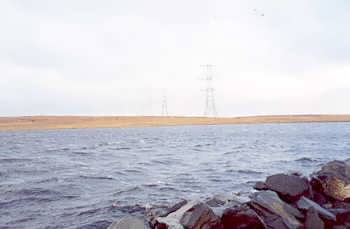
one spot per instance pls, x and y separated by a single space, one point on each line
283 201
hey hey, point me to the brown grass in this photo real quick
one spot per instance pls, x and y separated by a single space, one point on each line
70 122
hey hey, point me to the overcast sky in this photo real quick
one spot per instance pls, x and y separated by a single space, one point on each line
114 57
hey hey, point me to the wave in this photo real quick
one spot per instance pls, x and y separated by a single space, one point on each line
121 148
81 153
244 171
97 224
203 145
152 185
128 190
165 162
132 209
37 192
305 159
230 152
90 212
134 171
25 201
96 177
14 160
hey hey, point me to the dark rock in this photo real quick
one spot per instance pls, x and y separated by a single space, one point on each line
270 201
313 221
153 214
200 216
221 200
316 184
174 208
333 180
340 227
296 173
260 186
340 204
319 198
289 187
172 221
342 215
271 220
306 204
128 223
218 201
241 218
160 226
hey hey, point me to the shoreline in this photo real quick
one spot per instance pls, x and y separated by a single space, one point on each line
83 122
282 201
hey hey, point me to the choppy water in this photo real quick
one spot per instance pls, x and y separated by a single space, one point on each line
87 178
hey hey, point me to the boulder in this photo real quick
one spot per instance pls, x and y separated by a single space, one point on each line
221 200
333 180
319 198
172 220
342 215
313 221
260 186
272 221
289 187
174 208
340 227
200 216
275 211
241 218
128 223
306 204
215 202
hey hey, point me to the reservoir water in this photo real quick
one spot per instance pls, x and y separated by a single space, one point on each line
86 178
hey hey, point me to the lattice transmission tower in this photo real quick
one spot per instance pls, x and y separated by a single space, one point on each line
210 106
165 105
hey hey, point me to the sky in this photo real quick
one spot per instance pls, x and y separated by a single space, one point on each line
113 57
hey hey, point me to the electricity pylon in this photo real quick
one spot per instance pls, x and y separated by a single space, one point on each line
210 107
165 105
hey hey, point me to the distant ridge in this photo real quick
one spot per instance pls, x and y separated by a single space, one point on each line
74 122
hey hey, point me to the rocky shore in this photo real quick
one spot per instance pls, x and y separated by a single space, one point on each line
283 201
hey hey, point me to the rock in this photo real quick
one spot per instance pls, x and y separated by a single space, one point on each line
340 204
172 221
161 226
200 216
306 204
219 203
241 218
218 200
289 187
340 227
128 223
271 220
271 206
174 208
223 200
319 198
342 215
313 221
333 180
260 186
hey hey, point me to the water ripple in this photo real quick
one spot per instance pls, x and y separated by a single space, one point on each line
87 178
